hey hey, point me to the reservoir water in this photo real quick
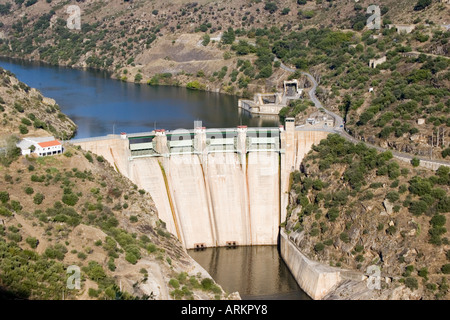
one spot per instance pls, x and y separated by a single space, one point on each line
100 105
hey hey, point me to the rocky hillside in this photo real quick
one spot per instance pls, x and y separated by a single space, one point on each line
75 210
353 207
24 111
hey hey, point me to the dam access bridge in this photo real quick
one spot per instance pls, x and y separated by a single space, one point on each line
213 187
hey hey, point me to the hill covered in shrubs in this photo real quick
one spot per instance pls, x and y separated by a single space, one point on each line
353 207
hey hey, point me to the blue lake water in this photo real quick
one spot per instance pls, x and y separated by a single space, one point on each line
100 105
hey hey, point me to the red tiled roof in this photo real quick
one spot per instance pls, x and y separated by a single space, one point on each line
49 144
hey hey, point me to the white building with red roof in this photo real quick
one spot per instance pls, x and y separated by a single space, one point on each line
43 146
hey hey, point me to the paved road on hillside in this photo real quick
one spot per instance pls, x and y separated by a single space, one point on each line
339 122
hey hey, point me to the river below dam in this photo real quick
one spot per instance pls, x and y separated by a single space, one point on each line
100 105
256 272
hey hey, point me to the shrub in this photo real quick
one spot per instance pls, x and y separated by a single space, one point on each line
70 199
207 284
23 129
88 156
138 77
38 198
271 7
411 283
81 255
151 247
131 258
445 153
206 40
415 162
33 242
5 212
195 85
438 221
95 271
391 230
423 273
174 283
16 237
57 251
30 3
333 214
418 207
446 268
392 196
16 206
4 196
111 264
422 4
93 293
344 237
319 247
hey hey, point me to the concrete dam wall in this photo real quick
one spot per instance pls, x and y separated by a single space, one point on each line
213 188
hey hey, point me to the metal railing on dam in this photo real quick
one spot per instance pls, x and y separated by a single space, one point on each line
162 143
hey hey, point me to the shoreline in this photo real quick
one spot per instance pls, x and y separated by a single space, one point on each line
110 74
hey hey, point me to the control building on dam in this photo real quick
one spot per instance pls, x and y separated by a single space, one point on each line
213 187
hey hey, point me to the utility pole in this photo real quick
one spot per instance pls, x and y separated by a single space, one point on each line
443 136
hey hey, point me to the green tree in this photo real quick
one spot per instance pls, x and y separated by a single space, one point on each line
4 196
446 268
319 247
422 4
415 162
95 271
33 242
38 198
205 40
271 7
228 36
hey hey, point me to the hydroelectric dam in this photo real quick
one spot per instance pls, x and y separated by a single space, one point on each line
213 187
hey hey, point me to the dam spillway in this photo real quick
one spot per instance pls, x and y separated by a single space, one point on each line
213 187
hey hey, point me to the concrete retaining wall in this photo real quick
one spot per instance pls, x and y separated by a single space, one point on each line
424 163
316 279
